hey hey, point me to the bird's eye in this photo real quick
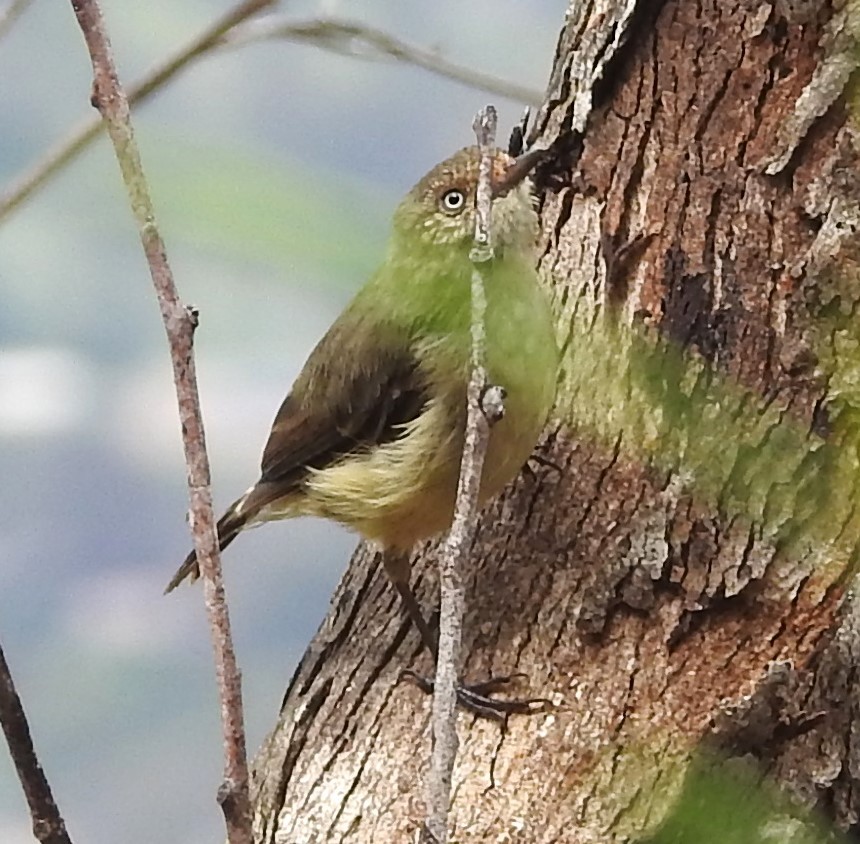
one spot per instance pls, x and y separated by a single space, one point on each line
452 201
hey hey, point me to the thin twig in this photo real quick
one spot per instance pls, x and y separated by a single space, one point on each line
236 29
11 13
452 601
358 41
48 824
82 135
179 322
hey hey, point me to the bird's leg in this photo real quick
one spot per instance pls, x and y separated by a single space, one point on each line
473 697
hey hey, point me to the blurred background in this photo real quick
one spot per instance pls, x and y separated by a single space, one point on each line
275 168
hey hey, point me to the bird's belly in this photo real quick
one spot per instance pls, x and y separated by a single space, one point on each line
404 491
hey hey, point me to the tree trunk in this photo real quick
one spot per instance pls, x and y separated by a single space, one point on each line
678 580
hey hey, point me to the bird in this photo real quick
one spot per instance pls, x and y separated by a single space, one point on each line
371 433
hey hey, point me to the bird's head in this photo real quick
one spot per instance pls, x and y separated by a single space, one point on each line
440 209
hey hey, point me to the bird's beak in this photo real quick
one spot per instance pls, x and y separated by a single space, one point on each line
518 171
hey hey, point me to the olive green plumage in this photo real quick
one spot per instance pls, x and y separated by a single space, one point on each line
372 432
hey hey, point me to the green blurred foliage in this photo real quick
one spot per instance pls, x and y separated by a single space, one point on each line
247 205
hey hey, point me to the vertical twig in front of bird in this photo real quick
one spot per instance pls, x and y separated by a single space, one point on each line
459 542
180 322
48 824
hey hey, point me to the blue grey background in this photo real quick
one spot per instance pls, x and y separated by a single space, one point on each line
274 169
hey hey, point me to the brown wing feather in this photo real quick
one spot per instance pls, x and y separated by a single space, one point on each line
314 431
360 383
352 393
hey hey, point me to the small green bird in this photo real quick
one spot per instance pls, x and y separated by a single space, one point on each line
371 434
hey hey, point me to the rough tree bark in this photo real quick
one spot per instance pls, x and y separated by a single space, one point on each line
682 580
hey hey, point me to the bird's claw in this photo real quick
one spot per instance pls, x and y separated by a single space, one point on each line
475 697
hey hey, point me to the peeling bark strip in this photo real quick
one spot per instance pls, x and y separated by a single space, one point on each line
678 583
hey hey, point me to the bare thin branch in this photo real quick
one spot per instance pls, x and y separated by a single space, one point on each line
452 604
82 135
48 824
179 322
235 29
358 41
11 13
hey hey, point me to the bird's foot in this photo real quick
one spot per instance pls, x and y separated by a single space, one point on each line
543 462
475 697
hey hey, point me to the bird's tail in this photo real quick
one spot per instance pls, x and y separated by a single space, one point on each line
229 527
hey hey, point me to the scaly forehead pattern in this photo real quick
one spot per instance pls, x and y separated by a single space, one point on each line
460 171
514 219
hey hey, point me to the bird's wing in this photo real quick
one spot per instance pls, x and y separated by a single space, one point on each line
360 383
